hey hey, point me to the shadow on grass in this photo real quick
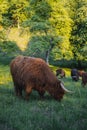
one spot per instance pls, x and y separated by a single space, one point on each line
5 127
10 93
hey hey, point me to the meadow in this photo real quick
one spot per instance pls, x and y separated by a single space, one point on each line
42 114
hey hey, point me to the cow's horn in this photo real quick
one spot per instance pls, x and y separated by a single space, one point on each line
66 90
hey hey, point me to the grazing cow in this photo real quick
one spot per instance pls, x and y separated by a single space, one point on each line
80 72
84 78
60 72
30 73
74 74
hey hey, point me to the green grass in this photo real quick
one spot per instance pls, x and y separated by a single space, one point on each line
42 114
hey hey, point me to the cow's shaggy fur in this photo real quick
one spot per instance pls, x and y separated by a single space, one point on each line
84 78
30 73
80 72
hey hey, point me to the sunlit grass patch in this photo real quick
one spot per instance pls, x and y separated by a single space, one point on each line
67 70
5 75
20 37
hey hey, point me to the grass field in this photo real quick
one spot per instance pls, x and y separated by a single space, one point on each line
38 114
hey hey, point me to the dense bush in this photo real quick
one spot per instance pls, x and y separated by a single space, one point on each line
8 50
9 47
69 63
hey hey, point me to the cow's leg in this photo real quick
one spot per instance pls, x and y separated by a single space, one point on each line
28 91
83 83
18 91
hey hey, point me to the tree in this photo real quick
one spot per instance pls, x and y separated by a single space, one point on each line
14 12
3 8
49 23
62 24
78 38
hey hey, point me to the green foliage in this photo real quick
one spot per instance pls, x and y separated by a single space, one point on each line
43 10
8 50
50 20
38 45
3 8
9 47
39 18
58 27
36 49
2 36
84 51
79 30
13 12
72 63
41 26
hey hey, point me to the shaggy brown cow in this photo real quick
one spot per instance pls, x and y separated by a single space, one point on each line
60 72
33 73
84 78
80 72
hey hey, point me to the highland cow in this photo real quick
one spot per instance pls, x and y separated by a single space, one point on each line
84 79
30 73
60 72
80 72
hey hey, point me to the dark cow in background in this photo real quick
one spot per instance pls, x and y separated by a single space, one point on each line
30 73
60 72
75 74
84 79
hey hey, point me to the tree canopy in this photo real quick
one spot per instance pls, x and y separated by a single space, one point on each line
50 26
58 28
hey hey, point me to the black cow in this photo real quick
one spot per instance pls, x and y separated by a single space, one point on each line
75 74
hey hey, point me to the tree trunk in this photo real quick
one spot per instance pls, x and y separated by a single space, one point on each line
47 56
49 50
18 23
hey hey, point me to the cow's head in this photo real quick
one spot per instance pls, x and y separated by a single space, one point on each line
60 91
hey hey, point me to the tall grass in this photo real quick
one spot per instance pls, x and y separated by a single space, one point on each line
42 114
